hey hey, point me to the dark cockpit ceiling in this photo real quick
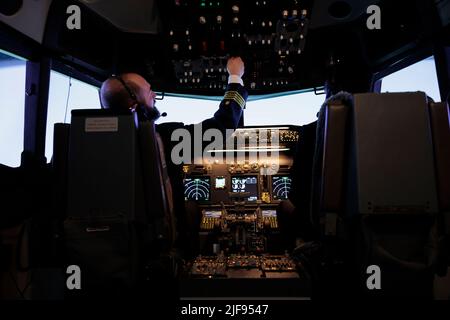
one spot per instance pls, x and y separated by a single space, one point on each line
181 45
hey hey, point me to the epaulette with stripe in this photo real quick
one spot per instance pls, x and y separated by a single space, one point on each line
236 97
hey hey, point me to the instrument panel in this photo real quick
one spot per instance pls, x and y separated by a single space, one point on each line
246 187
257 173
237 199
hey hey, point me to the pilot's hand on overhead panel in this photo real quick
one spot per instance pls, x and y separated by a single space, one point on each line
235 66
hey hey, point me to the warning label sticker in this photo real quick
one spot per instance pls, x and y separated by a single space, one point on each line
110 124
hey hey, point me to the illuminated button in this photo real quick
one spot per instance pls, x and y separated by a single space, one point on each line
299 51
185 73
302 36
263 41
249 42
270 23
281 37
175 47
190 73
263 24
304 12
202 20
287 52
211 70
285 14
279 52
291 70
190 47
219 19
235 20
235 9
269 41
171 33
252 85
294 13
187 32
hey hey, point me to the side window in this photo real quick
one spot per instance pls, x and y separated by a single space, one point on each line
420 76
66 94
12 108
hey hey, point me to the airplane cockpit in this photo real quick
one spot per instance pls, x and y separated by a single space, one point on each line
221 150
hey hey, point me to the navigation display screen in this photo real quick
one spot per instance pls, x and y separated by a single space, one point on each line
245 184
197 188
281 185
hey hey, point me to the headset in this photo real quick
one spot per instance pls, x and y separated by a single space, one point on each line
143 113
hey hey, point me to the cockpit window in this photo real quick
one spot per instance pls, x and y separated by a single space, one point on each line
187 110
12 106
420 76
66 94
293 109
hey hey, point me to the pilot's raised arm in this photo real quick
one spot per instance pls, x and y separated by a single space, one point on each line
231 107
